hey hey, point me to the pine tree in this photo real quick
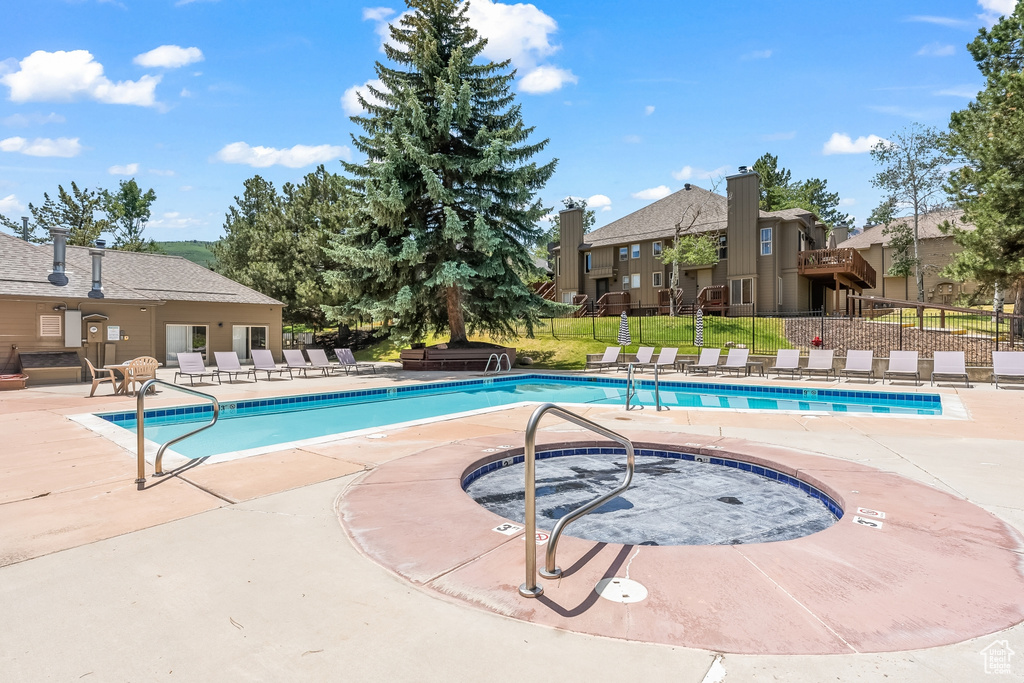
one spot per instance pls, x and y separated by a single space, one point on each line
445 203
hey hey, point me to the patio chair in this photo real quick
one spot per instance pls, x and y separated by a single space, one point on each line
860 364
819 362
609 359
318 359
736 361
708 359
99 376
643 357
665 359
902 364
228 364
786 360
949 365
347 360
191 365
294 359
1007 366
263 361
141 370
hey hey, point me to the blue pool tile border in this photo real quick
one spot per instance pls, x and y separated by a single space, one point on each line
767 472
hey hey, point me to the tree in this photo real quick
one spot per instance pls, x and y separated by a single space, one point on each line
989 186
914 168
774 181
779 191
902 262
75 211
688 248
446 210
128 211
552 234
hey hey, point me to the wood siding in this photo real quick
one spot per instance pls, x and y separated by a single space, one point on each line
743 237
570 238
936 253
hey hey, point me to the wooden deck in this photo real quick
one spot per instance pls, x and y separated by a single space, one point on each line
846 267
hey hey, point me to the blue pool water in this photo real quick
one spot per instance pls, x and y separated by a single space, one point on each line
252 424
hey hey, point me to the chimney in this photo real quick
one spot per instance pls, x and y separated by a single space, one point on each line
97 270
60 248
24 228
743 169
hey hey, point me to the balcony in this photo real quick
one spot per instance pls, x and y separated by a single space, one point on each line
845 267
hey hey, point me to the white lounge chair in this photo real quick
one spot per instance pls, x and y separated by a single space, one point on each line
318 359
228 364
949 365
643 357
263 361
786 360
348 361
736 361
666 359
609 359
294 359
860 364
819 362
902 364
708 360
191 365
1007 366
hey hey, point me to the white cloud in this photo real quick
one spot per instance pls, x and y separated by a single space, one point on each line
24 120
840 143
65 76
937 50
42 147
169 57
174 219
377 13
350 100
757 54
847 201
185 92
648 110
995 9
599 201
161 172
10 204
941 21
127 169
689 172
968 91
653 193
545 79
292 157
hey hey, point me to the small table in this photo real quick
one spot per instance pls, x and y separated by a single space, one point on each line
751 364
116 369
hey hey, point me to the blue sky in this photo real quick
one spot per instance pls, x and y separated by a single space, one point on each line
191 97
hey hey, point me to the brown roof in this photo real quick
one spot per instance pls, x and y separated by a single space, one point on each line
127 275
928 228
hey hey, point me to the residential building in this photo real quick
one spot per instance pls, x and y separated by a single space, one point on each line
111 306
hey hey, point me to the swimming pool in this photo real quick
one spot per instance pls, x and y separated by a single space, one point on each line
261 423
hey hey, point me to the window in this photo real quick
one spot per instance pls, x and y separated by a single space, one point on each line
625 283
558 266
586 262
623 253
635 251
656 248
636 281
656 280
49 326
723 248
244 339
567 297
184 339
766 241
741 291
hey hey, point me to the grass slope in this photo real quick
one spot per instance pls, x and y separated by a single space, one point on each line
193 250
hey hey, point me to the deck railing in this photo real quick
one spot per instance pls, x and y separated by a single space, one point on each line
846 261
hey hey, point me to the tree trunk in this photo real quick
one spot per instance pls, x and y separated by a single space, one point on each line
456 321
1018 309
919 274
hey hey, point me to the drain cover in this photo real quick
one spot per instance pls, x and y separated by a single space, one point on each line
731 500
620 590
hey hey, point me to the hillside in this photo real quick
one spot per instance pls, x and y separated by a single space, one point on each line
193 250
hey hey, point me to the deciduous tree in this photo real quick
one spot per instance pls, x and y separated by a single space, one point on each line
128 211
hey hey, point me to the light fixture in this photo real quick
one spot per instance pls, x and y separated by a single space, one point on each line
143 309
60 307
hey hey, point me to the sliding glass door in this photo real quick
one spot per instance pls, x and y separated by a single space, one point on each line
245 338
185 339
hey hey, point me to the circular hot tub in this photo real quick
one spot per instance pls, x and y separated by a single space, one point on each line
676 498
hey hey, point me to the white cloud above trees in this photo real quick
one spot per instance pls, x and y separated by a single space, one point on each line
291 157
652 193
545 79
840 143
127 169
691 173
65 76
599 201
169 57
937 50
42 147
10 204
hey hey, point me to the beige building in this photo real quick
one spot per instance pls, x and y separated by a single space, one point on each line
111 306
769 261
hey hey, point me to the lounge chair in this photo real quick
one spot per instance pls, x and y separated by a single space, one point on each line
609 359
643 357
1007 366
99 376
263 361
142 369
708 359
902 364
318 359
347 360
736 361
949 365
860 364
819 362
191 365
294 359
786 360
228 364
665 359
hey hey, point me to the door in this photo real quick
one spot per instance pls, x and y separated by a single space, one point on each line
184 339
602 287
703 279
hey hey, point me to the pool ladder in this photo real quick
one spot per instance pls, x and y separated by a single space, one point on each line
530 589
498 357
140 421
631 384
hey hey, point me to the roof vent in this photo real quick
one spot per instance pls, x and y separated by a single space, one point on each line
743 169
60 249
687 186
97 270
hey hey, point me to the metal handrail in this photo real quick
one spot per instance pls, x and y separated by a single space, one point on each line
140 421
498 357
631 386
530 589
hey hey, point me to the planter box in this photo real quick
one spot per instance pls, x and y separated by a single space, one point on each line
11 382
434 358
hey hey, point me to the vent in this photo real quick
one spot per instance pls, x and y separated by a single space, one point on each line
49 326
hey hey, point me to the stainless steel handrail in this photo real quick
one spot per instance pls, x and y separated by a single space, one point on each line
140 421
498 357
631 387
530 589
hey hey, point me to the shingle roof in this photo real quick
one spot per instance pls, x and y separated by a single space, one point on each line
928 228
126 276
660 218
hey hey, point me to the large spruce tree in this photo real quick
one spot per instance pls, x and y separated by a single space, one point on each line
445 213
